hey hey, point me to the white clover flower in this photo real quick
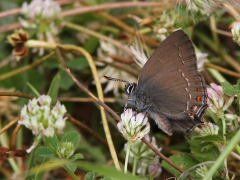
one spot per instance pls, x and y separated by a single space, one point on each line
44 16
133 126
236 33
216 99
209 129
43 120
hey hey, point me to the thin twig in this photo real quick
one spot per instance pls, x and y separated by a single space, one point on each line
25 68
12 142
16 94
98 35
221 69
77 99
116 5
11 123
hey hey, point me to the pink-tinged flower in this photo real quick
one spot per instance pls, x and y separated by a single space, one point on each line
43 120
216 99
133 126
44 17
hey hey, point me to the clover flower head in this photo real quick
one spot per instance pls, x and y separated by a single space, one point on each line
216 99
133 126
44 16
209 129
65 150
43 120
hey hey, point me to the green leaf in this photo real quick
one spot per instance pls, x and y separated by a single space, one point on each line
184 160
228 88
187 172
53 90
210 138
76 157
72 136
66 81
44 152
91 45
53 141
78 63
34 90
203 151
71 166
89 176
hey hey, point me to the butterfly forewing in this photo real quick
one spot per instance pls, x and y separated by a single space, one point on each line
176 51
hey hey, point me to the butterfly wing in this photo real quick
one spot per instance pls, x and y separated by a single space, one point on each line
177 91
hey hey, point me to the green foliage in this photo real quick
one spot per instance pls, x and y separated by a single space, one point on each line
183 160
53 90
90 176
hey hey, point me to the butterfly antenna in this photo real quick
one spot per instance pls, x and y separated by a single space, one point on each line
114 79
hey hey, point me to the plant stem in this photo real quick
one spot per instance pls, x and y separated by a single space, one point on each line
70 173
134 165
224 137
127 156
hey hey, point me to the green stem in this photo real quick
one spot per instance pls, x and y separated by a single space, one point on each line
70 173
238 96
232 144
134 165
127 156
224 137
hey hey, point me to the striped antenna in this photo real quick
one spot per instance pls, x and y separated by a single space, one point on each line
114 79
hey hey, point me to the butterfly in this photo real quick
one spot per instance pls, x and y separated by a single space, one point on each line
170 89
